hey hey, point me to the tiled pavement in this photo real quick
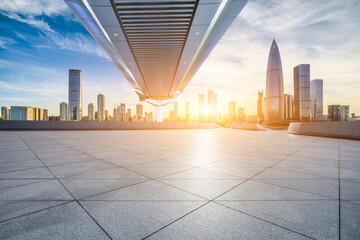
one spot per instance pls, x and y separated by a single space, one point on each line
178 184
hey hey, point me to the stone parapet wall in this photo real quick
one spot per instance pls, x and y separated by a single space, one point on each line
103 125
349 130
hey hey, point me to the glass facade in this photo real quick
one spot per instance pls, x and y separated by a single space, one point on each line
91 112
316 99
64 111
101 107
302 92
75 95
274 101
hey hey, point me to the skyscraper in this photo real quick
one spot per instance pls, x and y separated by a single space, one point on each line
316 99
122 112
64 111
45 115
202 116
232 111
176 110
139 112
212 105
128 115
288 106
187 111
5 113
23 113
274 101
260 106
75 95
101 107
302 92
107 115
91 112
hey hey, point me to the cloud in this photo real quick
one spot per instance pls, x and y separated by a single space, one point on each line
31 20
44 91
5 42
34 7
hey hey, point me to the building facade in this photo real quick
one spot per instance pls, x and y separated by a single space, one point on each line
274 101
316 99
22 113
212 106
334 112
187 111
5 113
202 113
302 92
232 111
260 113
64 111
75 95
288 106
344 113
101 107
122 112
91 112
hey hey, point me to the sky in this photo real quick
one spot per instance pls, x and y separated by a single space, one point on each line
41 39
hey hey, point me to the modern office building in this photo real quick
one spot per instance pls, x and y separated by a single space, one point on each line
232 111
334 112
139 111
157 45
75 95
260 113
316 99
122 112
91 112
45 115
212 106
344 113
202 112
302 92
149 117
64 111
107 115
176 110
101 107
274 101
187 111
5 113
241 114
22 113
288 106
128 115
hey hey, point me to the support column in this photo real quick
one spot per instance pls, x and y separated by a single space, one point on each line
159 113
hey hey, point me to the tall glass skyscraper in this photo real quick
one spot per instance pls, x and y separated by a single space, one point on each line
274 101
316 99
302 92
101 107
202 116
212 105
75 95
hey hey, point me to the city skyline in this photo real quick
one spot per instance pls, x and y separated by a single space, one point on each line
45 85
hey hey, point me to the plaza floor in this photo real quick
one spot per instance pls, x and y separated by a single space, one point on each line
178 184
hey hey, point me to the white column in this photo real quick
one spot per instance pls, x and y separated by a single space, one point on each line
159 113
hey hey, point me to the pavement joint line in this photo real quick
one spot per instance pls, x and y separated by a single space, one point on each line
26 184
250 215
69 192
44 209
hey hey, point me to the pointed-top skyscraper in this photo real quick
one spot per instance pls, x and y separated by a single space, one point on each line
274 100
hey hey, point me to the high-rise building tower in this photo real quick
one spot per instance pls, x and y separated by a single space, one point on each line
232 111
316 99
212 105
75 95
176 110
45 115
288 106
91 112
274 101
139 112
5 113
260 106
344 113
64 111
187 111
128 115
202 114
101 107
334 112
122 111
302 92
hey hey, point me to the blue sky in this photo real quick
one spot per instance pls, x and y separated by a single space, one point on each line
41 39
